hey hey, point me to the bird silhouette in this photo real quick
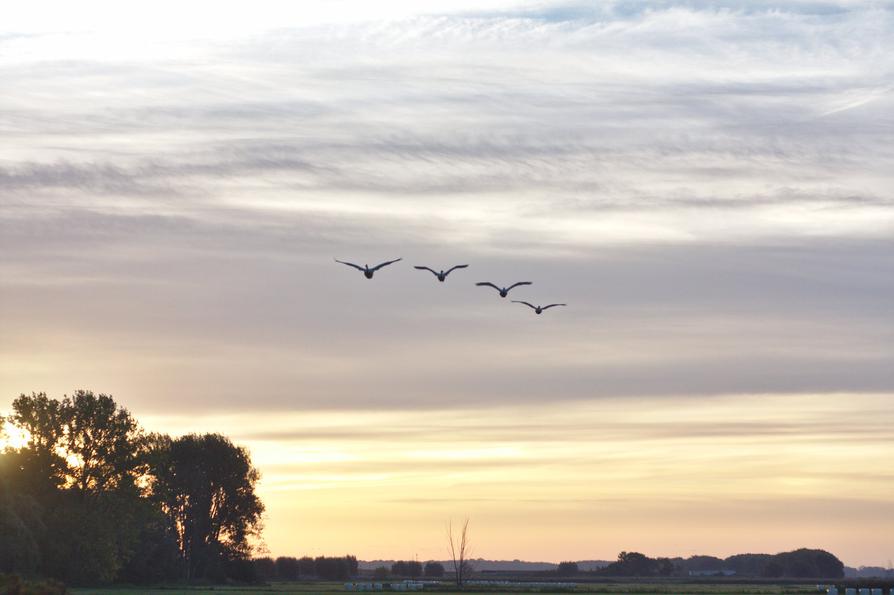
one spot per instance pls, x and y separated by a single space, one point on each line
442 275
537 309
504 291
366 269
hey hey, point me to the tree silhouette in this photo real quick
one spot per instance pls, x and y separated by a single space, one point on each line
206 487
567 568
90 498
460 549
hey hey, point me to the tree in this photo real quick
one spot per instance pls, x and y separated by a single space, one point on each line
40 470
287 568
80 464
414 569
434 569
21 525
206 487
460 549
102 441
85 442
665 566
411 568
567 568
632 564
306 567
265 568
335 568
380 573
90 498
399 568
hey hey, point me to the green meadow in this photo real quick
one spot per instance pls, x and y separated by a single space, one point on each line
600 588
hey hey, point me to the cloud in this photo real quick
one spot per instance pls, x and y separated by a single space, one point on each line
707 185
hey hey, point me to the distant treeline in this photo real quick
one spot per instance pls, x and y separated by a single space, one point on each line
286 568
91 498
802 563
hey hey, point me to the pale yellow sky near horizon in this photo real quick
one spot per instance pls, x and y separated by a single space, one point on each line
707 185
577 481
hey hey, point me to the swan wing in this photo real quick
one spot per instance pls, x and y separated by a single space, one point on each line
517 284
384 264
532 306
488 284
552 306
433 272
459 266
350 264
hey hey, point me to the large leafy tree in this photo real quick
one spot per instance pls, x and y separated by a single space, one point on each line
86 441
81 465
21 525
103 442
206 487
90 498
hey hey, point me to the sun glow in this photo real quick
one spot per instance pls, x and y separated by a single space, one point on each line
12 437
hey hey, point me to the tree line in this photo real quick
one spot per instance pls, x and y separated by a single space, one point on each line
92 498
801 563
287 568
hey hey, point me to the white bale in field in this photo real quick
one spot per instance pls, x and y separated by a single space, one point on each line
864 591
876 591
850 591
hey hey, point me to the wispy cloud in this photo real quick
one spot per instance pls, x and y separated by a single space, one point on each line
707 185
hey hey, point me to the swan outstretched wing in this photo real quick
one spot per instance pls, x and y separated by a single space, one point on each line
350 264
384 264
517 284
433 272
459 266
488 284
552 306
532 306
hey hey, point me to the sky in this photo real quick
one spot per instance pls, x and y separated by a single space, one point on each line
707 185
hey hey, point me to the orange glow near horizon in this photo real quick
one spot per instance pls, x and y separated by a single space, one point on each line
576 481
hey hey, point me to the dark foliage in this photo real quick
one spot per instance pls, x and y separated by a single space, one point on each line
705 563
380 573
637 564
806 563
567 568
21 524
265 568
409 568
335 568
802 563
88 499
433 570
206 487
748 564
288 569
13 584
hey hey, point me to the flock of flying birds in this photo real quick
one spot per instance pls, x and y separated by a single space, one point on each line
369 271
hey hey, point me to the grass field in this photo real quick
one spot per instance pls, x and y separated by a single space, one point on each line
602 589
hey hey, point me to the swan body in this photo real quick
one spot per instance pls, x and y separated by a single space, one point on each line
367 270
504 291
442 274
537 309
